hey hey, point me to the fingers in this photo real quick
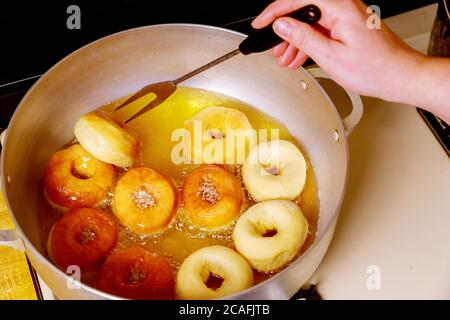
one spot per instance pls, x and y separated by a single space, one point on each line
299 60
279 49
307 39
288 56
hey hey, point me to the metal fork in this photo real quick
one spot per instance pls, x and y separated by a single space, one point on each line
259 41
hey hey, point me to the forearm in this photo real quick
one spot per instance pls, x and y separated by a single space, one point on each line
428 86
369 62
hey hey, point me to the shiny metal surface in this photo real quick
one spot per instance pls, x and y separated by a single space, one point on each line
164 89
113 67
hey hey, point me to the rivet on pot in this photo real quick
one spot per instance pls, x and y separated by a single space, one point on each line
303 85
336 136
8 179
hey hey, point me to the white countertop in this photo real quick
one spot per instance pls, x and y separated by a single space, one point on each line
396 212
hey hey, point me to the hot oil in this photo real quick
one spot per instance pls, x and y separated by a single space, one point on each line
154 130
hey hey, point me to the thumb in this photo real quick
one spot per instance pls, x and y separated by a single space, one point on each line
303 36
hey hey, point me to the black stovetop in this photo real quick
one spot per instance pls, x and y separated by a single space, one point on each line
35 36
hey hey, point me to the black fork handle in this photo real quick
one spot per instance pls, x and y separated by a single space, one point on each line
265 38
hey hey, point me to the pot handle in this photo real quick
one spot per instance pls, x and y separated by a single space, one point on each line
351 121
9 237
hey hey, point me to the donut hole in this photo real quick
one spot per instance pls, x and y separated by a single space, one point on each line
82 169
209 192
211 275
136 275
86 235
265 231
216 134
272 170
269 233
143 197
214 281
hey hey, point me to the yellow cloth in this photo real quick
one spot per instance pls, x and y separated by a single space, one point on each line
16 282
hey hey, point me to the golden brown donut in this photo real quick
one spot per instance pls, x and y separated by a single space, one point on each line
137 273
74 178
83 237
145 200
212 197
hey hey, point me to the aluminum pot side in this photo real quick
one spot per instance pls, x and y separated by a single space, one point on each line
120 64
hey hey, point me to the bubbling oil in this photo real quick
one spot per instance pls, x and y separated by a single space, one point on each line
154 129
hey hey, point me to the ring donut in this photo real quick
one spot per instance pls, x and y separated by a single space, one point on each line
137 273
144 200
212 197
74 178
274 170
213 272
101 136
219 128
83 237
270 234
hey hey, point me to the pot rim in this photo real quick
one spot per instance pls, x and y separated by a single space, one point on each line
90 289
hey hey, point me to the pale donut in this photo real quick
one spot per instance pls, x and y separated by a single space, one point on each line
106 140
220 128
270 234
274 170
220 261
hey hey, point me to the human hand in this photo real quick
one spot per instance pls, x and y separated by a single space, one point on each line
372 62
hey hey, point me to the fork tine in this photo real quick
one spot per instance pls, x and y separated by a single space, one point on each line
143 92
154 103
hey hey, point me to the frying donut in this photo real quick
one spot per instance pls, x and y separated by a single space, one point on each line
144 200
99 134
213 272
137 273
83 237
274 170
220 128
212 197
74 178
270 234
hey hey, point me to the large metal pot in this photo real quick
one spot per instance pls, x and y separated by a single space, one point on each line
121 64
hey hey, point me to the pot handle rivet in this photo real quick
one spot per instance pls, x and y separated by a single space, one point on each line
336 136
352 120
304 85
